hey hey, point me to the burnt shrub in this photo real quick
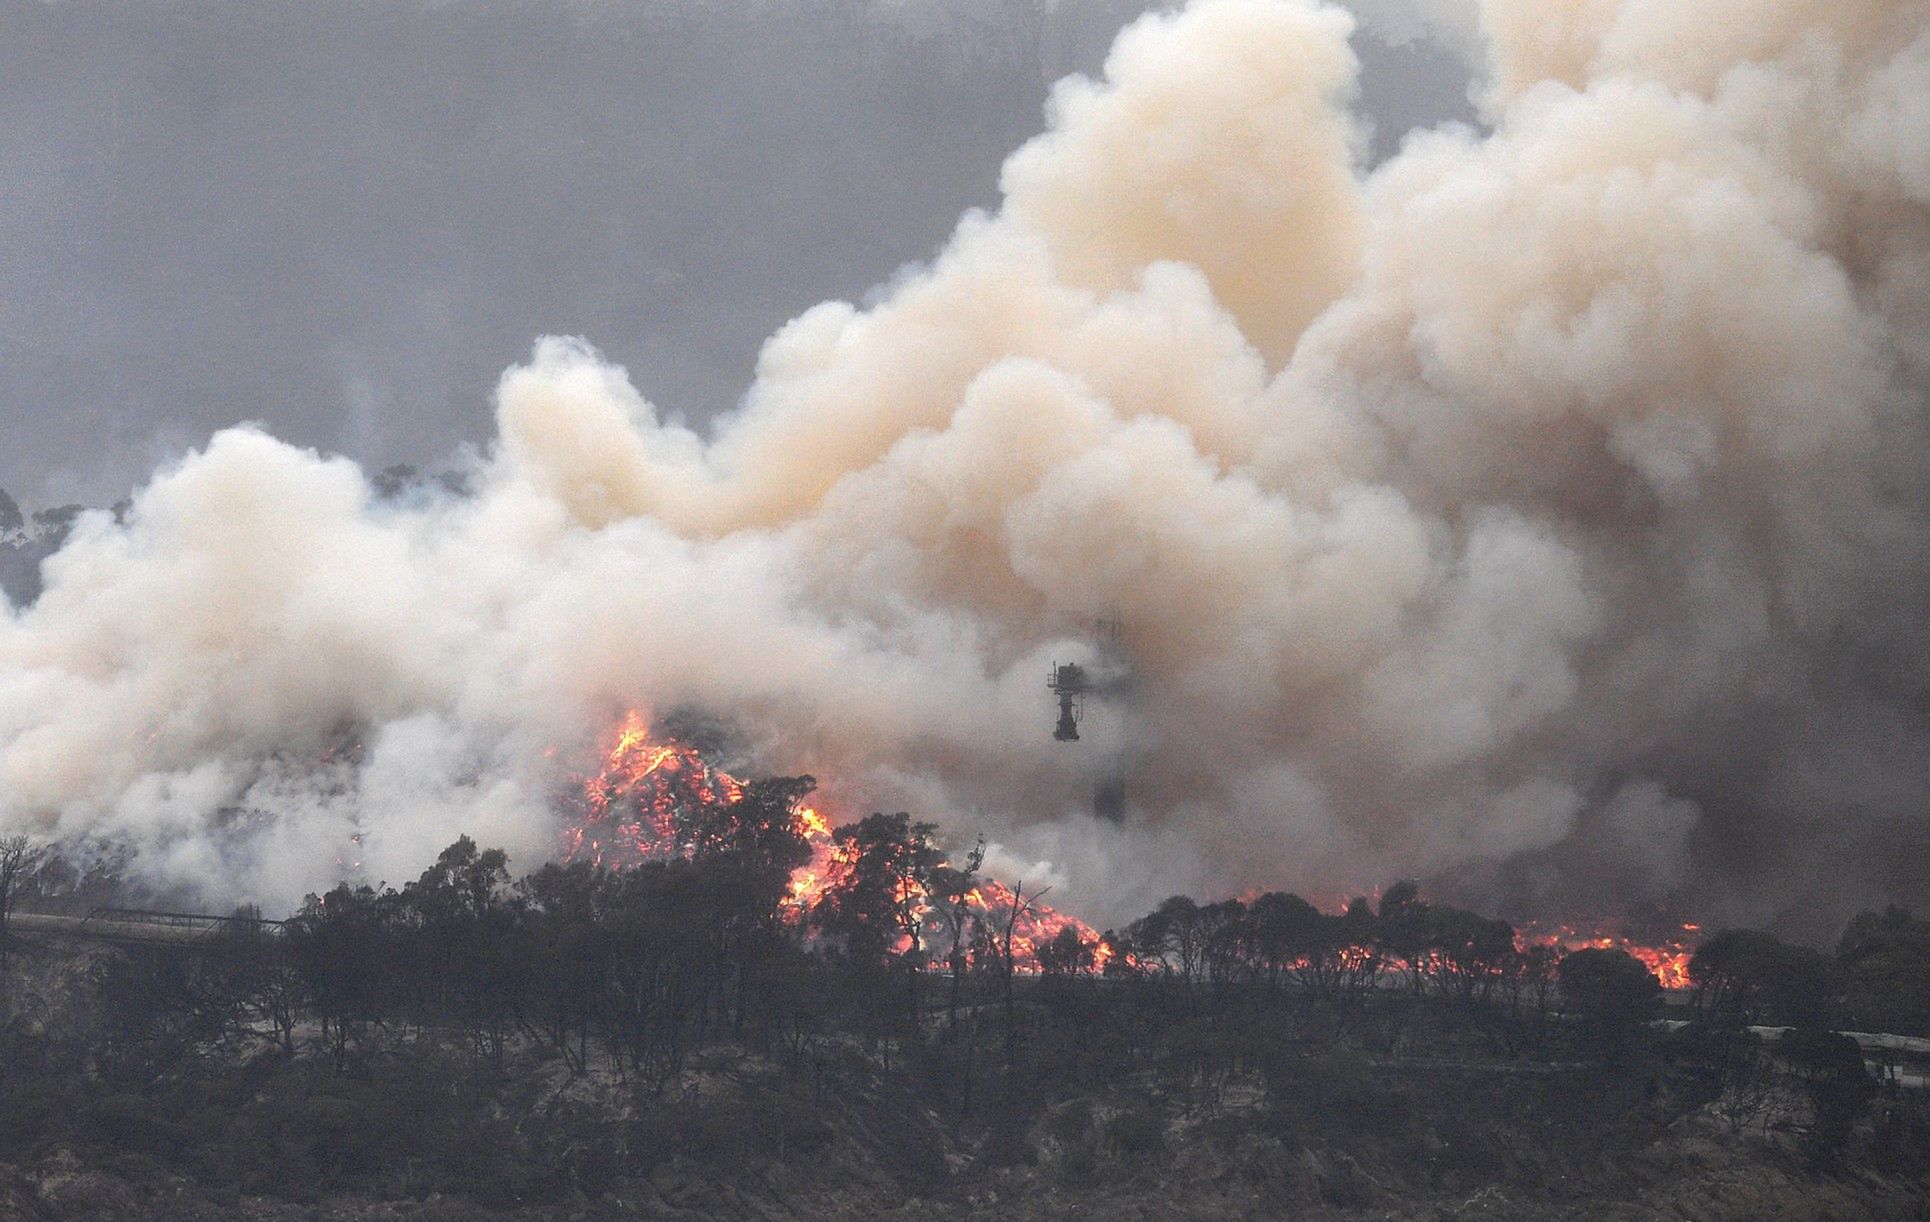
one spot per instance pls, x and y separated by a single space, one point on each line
1749 976
1612 993
1337 1098
137 1124
726 1135
1137 1133
296 1132
1900 1141
1830 1067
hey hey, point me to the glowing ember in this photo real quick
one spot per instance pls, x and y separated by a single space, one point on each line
1037 926
643 803
1668 956
809 880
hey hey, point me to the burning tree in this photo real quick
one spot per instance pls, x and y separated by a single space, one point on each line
649 801
881 886
884 890
881 896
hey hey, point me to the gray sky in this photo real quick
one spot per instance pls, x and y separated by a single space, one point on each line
344 220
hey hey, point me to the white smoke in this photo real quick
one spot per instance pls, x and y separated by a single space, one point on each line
1545 510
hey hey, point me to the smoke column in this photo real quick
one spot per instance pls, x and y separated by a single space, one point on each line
1544 513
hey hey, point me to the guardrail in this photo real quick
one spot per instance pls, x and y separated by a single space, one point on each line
138 925
180 920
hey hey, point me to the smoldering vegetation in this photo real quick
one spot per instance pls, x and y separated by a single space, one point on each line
679 1040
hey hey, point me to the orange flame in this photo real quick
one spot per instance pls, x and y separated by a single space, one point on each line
630 807
631 810
1667 956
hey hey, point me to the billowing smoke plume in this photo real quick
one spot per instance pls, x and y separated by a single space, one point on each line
1545 512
